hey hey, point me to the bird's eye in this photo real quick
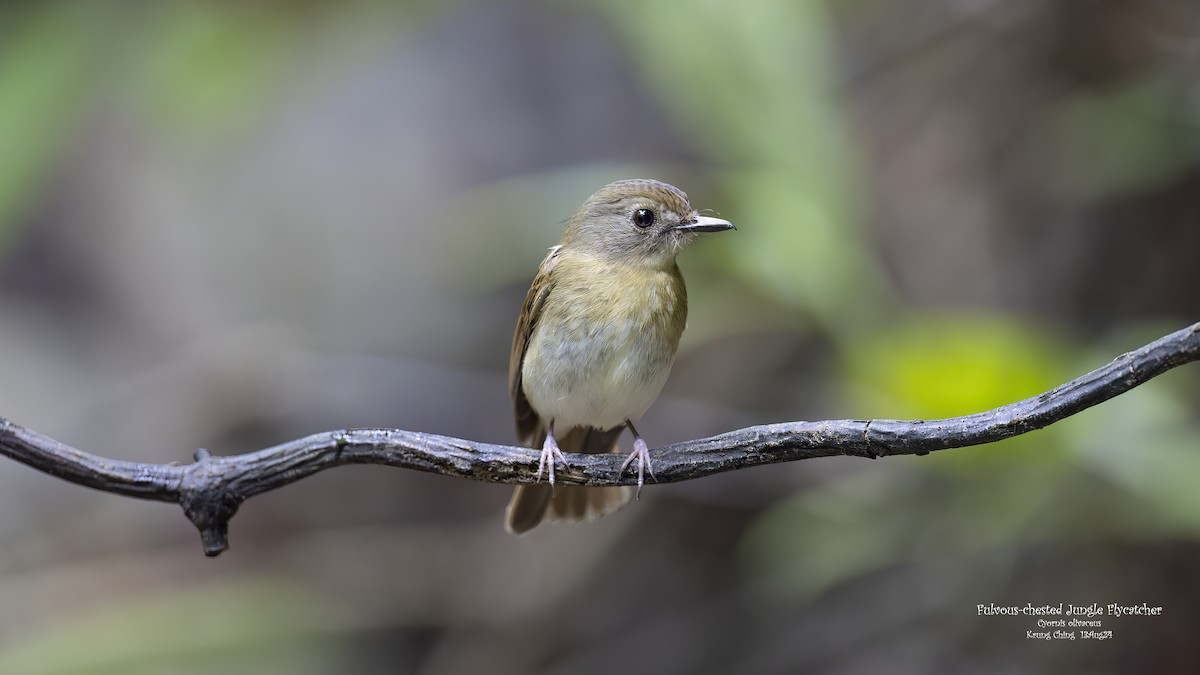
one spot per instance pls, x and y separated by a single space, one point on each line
643 218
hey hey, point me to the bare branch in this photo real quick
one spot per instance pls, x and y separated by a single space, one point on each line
211 489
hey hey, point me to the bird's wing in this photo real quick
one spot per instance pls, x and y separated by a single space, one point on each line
529 426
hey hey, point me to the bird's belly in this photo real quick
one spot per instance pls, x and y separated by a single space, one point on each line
595 376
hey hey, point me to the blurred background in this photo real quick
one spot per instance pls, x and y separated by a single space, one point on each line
227 226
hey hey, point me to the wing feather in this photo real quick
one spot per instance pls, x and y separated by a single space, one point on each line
530 430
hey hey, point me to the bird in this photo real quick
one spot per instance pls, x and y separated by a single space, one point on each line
596 338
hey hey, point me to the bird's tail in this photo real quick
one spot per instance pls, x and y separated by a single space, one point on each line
531 504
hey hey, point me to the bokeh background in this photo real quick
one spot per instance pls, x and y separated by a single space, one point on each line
227 225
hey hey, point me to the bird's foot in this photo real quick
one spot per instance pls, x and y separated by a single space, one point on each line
642 454
550 454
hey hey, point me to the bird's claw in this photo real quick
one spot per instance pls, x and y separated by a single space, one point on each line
642 454
550 454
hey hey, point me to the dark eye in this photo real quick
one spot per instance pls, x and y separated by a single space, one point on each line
643 218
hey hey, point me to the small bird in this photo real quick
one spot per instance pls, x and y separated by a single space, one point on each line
596 338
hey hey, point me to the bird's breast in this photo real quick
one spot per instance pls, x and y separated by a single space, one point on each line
604 344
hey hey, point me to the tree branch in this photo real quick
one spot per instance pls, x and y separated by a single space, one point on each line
211 489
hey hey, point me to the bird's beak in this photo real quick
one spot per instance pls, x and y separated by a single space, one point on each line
704 224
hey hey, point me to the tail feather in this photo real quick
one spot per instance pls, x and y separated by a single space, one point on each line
575 504
531 504
527 508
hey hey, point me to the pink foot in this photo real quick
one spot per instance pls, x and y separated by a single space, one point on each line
642 454
550 453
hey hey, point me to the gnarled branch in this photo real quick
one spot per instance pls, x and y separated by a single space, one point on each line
211 489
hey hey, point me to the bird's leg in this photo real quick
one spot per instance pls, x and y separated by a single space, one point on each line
642 454
550 453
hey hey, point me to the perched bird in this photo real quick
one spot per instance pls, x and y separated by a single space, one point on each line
596 338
